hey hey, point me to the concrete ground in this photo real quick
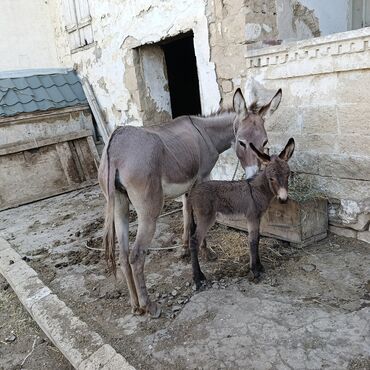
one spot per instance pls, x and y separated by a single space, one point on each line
310 311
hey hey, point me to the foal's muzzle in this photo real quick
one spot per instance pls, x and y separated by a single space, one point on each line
282 195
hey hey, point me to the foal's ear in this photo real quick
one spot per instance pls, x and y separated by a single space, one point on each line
263 157
239 103
288 150
271 107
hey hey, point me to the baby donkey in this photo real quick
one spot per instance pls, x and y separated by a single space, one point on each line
248 198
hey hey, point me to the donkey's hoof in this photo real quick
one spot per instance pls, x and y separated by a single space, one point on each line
202 277
260 268
209 255
154 310
254 276
137 311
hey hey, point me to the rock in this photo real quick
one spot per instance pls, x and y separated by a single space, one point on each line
77 234
157 295
26 259
177 288
11 262
187 284
343 231
176 308
174 292
11 338
180 301
215 286
40 340
309 267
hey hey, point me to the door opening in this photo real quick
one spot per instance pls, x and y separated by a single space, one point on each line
182 75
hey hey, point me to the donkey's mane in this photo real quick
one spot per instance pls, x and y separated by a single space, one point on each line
218 112
253 108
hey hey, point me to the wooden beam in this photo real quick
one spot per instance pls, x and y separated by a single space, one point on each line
16 148
96 110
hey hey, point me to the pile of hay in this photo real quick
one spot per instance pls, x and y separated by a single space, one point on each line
301 189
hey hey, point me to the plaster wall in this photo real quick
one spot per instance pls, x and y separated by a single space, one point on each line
119 28
27 36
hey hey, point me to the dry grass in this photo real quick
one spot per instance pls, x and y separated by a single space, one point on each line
301 189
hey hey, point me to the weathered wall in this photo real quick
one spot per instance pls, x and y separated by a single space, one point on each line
121 26
27 38
325 89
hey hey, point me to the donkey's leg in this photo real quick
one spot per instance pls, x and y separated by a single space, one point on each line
121 223
145 233
185 237
255 263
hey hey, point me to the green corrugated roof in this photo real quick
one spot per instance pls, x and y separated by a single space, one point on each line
24 92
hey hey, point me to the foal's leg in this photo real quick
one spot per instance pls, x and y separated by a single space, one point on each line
121 223
207 253
196 240
255 264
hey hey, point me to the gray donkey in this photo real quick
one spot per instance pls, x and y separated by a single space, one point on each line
144 166
248 198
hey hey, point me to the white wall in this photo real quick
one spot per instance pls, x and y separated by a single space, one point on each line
333 15
26 35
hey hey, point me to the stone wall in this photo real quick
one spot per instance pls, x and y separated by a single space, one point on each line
324 107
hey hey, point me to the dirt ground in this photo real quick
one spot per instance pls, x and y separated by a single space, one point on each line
19 333
310 311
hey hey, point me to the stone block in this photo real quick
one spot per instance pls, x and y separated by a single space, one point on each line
118 362
325 143
338 188
319 120
333 165
285 119
355 144
354 119
99 358
227 86
343 231
71 335
364 236
353 87
233 28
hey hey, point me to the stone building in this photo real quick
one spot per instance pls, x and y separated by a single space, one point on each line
149 60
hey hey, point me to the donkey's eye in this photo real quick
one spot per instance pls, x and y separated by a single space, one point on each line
242 143
265 142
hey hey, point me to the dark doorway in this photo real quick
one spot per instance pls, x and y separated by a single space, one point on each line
182 76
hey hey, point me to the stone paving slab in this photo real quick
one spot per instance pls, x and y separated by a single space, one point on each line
83 348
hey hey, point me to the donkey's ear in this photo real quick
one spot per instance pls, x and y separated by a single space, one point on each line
239 104
271 107
263 157
288 150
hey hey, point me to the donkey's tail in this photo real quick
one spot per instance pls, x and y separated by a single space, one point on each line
109 233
